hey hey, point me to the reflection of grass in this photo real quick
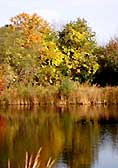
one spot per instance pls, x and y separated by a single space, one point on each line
35 162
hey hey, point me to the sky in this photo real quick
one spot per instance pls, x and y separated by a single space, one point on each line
101 15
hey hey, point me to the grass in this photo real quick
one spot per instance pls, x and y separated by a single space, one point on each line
68 92
35 162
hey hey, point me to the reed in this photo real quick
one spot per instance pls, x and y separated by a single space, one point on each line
35 162
67 93
93 95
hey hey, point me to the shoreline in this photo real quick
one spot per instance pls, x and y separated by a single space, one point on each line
51 95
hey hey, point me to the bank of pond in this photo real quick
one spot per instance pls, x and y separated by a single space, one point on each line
65 94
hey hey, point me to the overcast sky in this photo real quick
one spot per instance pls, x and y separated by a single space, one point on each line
101 15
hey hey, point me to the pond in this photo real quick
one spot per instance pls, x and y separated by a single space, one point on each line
75 136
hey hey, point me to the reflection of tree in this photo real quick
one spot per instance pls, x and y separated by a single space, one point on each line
61 134
80 153
3 145
28 133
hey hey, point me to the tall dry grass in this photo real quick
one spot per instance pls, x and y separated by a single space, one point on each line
35 162
68 92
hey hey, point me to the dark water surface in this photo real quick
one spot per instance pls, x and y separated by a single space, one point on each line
76 137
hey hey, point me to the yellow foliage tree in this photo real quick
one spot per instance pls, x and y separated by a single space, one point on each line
37 37
32 27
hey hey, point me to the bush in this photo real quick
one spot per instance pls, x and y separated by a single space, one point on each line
67 86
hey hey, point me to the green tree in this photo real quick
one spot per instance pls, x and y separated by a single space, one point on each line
77 42
17 61
108 64
29 52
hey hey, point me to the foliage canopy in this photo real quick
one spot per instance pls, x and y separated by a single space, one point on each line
78 43
28 51
32 53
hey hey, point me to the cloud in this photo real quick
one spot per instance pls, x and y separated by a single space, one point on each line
89 3
49 14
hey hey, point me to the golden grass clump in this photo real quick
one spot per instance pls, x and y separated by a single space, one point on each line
35 162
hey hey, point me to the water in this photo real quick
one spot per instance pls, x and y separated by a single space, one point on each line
76 137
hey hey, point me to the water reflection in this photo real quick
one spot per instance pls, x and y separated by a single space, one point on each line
76 136
108 147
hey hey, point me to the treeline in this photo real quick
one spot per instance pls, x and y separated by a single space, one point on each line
33 53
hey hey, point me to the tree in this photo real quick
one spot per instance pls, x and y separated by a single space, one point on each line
77 42
17 61
33 28
108 64
32 55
